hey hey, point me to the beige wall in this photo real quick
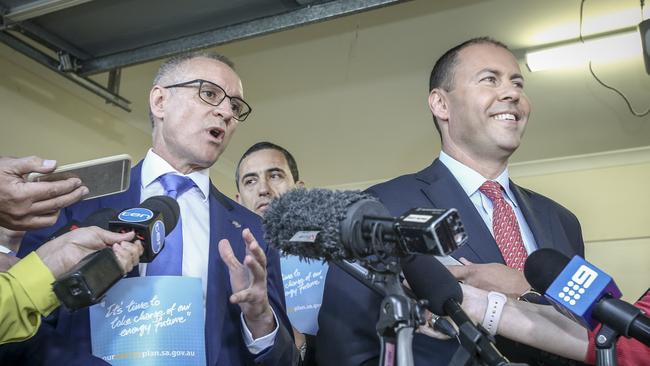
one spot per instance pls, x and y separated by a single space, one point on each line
612 204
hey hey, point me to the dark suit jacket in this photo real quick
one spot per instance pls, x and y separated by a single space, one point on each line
223 338
350 310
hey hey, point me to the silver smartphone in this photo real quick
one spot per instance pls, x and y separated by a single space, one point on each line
103 177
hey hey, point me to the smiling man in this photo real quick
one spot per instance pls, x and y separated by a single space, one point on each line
476 96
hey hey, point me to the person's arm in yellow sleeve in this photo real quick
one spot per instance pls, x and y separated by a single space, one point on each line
26 288
25 295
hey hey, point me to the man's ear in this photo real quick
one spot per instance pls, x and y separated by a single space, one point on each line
300 184
238 198
438 104
157 99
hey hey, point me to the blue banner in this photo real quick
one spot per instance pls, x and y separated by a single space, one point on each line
156 320
303 290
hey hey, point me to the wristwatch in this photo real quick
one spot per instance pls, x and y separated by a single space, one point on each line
534 297
496 301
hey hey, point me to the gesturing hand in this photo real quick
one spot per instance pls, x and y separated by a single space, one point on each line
248 283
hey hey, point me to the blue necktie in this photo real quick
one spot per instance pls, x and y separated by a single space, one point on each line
169 261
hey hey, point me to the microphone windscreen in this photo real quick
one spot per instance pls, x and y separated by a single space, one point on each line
543 266
100 218
313 210
430 280
167 206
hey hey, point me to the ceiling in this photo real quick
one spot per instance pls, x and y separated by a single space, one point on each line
348 96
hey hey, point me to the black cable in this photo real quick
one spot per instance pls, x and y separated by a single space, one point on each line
591 70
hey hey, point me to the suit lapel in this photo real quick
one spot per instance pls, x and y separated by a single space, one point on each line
538 222
443 191
218 287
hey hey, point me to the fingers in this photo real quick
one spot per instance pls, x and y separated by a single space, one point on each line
227 255
96 238
128 254
33 222
244 296
465 261
109 237
254 248
30 164
67 191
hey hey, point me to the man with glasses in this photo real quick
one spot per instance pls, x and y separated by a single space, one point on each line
196 103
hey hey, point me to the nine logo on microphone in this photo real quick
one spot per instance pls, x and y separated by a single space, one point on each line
580 281
578 287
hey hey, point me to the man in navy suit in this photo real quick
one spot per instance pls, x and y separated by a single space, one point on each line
480 111
196 103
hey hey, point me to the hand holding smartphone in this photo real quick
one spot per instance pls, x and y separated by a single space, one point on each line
102 177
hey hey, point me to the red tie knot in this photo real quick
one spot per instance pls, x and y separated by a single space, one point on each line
492 190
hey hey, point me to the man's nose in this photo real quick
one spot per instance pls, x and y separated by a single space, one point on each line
224 109
263 188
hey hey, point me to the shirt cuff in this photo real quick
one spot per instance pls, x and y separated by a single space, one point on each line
36 279
256 346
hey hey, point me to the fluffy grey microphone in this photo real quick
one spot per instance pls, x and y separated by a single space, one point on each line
307 223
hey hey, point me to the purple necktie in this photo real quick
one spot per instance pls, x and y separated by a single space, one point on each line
169 262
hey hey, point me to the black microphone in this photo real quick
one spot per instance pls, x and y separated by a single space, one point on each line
584 293
350 225
87 282
431 281
152 221
99 218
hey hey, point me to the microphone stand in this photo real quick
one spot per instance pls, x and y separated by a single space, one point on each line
476 343
606 346
399 315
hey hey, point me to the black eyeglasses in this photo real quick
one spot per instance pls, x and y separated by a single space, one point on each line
213 94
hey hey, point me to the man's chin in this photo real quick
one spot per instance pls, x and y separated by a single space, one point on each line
262 209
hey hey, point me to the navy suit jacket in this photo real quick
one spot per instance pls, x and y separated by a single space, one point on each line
70 338
350 310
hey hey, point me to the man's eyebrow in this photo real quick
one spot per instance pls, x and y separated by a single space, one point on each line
487 69
499 73
252 174
517 76
275 169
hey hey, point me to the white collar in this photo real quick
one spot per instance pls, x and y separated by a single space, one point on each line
471 180
154 166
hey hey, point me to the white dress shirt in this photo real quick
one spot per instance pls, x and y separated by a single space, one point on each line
195 211
471 180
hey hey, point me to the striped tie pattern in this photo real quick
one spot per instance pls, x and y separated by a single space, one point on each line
505 227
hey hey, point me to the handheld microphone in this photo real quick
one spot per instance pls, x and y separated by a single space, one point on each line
584 293
350 225
87 282
151 221
431 281
99 218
